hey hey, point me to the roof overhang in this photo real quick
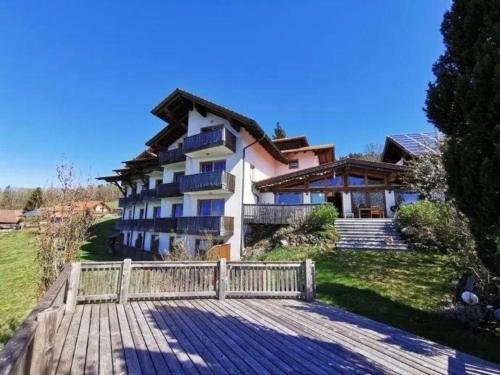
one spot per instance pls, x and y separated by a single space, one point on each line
175 108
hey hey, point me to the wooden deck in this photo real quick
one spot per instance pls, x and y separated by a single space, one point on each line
261 336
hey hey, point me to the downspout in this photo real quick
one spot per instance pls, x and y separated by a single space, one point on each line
242 234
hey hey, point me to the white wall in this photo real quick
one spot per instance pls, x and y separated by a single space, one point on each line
306 160
390 200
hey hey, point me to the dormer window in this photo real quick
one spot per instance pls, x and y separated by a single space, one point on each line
293 164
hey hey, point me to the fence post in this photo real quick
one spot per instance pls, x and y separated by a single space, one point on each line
44 341
221 292
125 280
309 295
74 282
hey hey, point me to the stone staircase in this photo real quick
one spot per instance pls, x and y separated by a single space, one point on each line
369 234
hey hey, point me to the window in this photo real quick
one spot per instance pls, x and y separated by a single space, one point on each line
156 212
213 166
355 180
138 241
360 199
293 164
318 198
407 197
158 182
374 181
127 241
155 243
177 209
141 213
288 198
333 181
211 207
130 214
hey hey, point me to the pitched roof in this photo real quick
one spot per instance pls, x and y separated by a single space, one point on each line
417 144
10 216
308 148
80 206
328 168
174 108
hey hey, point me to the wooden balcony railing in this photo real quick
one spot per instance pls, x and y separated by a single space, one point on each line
144 224
149 194
209 225
220 180
172 156
165 224
279 214
131 199
170 189
214 138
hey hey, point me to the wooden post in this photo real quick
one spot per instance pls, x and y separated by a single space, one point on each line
221 291
44 341
73 284
125 280
309 292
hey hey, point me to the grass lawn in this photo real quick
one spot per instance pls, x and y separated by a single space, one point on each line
19 271
404 289
18 279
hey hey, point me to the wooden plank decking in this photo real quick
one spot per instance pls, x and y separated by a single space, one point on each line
262 336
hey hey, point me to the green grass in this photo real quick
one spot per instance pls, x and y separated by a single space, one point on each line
404 289
18 279
95 250
19 273
113 204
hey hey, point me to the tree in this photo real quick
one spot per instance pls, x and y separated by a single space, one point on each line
464 103
7 201
427 176
372 152
35 200
279 132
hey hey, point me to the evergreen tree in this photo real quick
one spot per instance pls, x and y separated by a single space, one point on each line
35 200
464 103
279 132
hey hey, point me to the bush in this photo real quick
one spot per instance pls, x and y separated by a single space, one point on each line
434 226
322 217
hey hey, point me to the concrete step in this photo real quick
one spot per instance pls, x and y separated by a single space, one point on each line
378 247
371 231
370 238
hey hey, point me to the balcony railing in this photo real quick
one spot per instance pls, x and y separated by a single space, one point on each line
131 199
172 156
127 224
170 189
144 224
220 180
165 224
213 138
149 194
205 225
275 213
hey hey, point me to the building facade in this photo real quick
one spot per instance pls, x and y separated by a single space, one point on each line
211 170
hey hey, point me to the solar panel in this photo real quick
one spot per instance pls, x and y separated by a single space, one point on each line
419 143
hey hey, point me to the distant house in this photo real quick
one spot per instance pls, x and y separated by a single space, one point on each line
11 219
97 208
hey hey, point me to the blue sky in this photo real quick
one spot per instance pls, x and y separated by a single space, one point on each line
78 79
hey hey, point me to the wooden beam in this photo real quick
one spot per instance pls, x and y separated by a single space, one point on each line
201 110
44 340
124 193
73 285
221 290
125 281
172 118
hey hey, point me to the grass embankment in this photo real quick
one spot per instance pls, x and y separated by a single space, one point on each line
19 272
407 290
19 277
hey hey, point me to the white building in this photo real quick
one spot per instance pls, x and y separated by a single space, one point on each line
210 169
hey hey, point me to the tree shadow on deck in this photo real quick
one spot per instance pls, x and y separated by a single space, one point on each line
434 326
194 336
95 249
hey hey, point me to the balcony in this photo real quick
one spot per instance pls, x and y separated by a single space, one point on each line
172 156
165 224
220 181
211 143
167 190
149 194
144 224
126 224
131 199
205 225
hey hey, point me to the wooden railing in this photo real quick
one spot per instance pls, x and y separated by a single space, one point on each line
200 225
220 180
279 214
170 189
216 137
149 194
165 224
126 201
127 280
172 156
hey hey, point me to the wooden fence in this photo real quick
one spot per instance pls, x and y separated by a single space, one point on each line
276 214
127 280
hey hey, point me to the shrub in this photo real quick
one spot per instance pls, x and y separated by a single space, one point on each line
434 226
322 216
